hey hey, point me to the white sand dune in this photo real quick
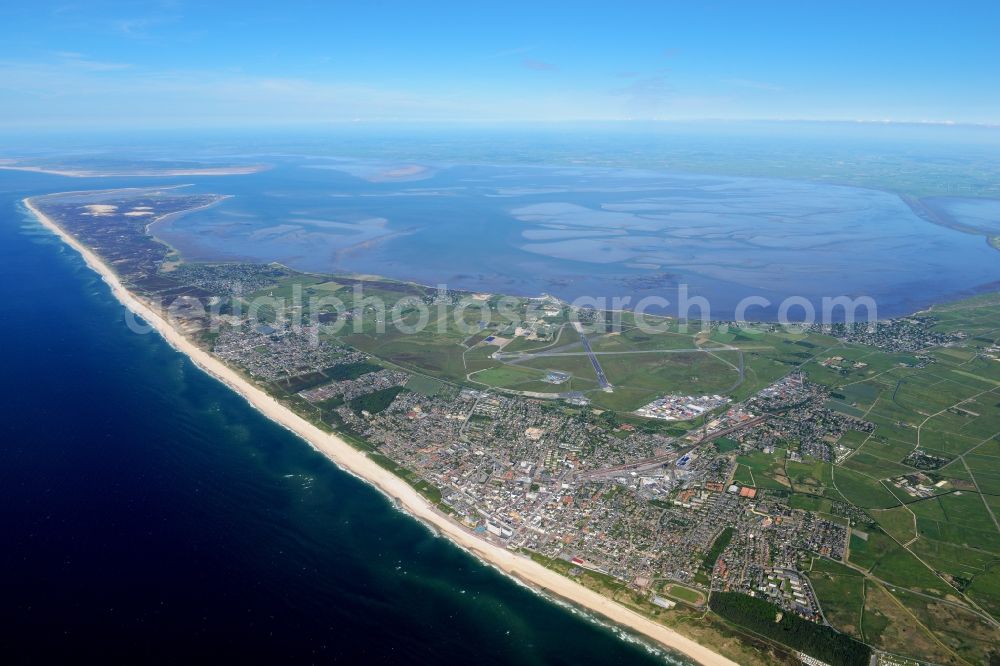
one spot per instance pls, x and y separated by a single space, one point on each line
100 210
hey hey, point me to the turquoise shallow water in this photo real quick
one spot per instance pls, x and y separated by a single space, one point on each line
150 514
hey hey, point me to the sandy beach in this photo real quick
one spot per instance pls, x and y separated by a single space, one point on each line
357 463
90 173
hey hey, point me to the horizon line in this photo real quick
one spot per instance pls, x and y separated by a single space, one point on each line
232 124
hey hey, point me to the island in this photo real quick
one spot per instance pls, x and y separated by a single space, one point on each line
740 493
104 169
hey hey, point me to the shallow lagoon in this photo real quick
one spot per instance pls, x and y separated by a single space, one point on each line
982 215
578 232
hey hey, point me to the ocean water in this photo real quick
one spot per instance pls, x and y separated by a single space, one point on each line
149 514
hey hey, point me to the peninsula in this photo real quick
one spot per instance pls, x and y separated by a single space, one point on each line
108 171
740 495
356 462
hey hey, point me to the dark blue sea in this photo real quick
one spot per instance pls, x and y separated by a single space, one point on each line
149 515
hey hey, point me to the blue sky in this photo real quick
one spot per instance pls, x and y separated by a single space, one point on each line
160 64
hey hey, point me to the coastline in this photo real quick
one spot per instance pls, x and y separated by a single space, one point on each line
194 171
407 498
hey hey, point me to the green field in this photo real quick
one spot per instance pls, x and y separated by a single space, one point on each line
842 598
685 594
